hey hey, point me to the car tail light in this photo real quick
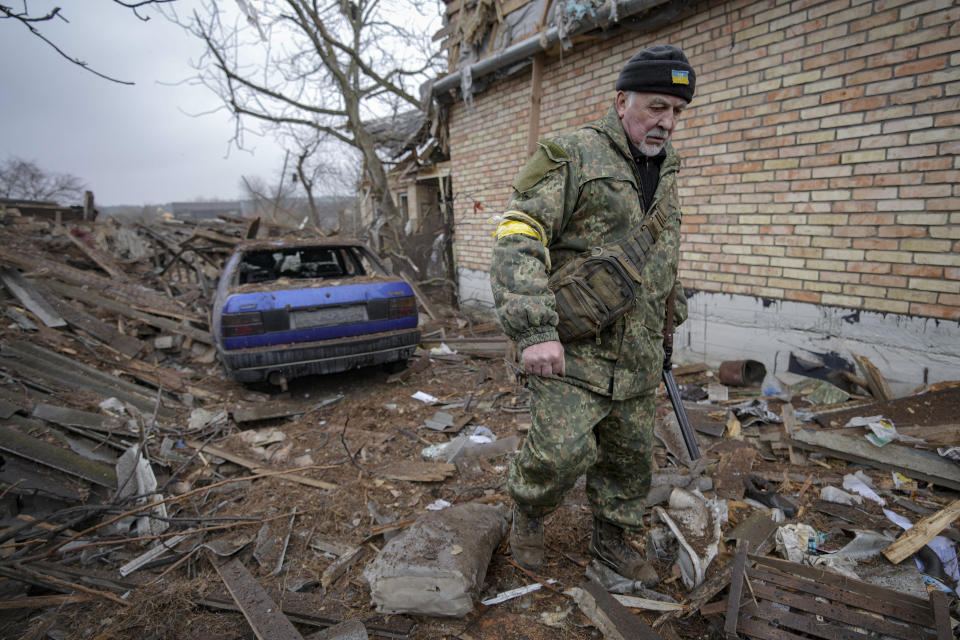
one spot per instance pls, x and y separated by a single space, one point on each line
236 325
402 307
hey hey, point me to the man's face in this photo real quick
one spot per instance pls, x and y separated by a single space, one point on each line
649 118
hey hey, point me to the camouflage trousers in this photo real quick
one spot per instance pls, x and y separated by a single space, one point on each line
575 431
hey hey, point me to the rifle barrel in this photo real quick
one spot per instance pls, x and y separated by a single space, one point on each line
685 429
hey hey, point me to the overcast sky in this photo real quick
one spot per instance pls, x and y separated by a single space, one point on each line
140 144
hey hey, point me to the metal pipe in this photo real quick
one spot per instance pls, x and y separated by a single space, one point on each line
535 44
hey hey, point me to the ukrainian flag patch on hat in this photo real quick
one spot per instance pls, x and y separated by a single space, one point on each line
680 76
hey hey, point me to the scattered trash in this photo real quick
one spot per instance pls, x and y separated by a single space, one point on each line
438 505
442 350
861 484
758 408
833 494
796 541
515 593
882 430
695 522
425 397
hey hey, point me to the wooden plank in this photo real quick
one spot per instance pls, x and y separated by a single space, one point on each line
876 383
418 471
763 631
624 623
125 310
789 416
318 611
494 345
690 369
732 468
31 298
206 234
838 612
941 615
55 457
40 602
918 606
78 319
66 416
135 295
799 622
251 412
921 533
736 589
338 567
256 467
155 375
262 614
99 258
886 604
60 369
891 457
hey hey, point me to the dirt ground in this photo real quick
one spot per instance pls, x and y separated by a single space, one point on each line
347 445
375 424
356 427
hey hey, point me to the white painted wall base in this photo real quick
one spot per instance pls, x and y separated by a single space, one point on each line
475 292
905 349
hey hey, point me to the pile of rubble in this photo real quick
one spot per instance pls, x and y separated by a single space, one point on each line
144 495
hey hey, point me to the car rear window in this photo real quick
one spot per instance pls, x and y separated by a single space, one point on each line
300 263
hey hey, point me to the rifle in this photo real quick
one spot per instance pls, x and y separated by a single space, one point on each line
672 392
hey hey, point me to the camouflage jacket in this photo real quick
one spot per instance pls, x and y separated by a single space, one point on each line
582 190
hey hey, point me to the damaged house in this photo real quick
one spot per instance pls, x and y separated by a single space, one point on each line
820 161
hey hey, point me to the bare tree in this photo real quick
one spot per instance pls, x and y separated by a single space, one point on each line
273 201
327 70
33 20
23 179
323 170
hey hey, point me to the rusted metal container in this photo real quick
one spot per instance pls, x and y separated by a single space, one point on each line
742 373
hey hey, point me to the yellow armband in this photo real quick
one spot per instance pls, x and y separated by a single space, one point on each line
517 222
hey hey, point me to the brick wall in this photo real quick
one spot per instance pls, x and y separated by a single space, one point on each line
821 152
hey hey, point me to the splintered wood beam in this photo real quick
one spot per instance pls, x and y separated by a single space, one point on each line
610 616
262 614
127 311
255 466
31 298
41 602
891 457
99 258
876 383
418 471
736 589
49 455
911 540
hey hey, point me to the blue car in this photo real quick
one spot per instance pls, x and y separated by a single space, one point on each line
284 310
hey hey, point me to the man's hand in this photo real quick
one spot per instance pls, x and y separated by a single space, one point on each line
544 359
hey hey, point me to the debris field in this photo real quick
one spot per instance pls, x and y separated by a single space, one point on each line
145 495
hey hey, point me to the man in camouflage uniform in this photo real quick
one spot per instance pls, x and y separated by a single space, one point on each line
592 404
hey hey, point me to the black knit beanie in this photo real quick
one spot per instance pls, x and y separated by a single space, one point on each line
661 68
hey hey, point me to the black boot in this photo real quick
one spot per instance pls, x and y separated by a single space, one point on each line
609 545
526 540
